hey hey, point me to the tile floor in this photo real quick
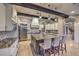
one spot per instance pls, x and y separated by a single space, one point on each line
25 49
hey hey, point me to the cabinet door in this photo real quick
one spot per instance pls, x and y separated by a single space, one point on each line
14 48
6 13
14 15
9 25
2 17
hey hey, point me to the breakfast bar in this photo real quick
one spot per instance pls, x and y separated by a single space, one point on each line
9 46
39 38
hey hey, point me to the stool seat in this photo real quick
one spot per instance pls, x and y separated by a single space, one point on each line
46 46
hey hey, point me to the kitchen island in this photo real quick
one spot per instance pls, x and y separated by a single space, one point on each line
8 47
37 39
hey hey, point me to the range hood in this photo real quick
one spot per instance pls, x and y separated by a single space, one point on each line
70 19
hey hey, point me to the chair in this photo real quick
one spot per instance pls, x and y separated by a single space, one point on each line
46 46
56 46
63 43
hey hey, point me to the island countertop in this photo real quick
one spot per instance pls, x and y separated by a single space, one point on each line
5 43
42 37
39 38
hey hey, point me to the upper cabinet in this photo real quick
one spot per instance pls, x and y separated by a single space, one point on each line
2 17
8 13
6 17
53 26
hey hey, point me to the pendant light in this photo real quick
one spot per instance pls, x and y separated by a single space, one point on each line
40 17
49 17
39 13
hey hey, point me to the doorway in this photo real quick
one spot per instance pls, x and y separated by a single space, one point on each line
23 32
69 29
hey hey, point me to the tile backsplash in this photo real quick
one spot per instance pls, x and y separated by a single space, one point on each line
8 34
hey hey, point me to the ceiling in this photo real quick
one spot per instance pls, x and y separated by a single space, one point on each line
31 11
60 7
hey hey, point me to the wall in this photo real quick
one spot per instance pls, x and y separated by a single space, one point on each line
76 30
2 16
14 14
13 33
60 26
25 20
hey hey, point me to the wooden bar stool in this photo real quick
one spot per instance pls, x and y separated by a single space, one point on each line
63 44
46 46
56 46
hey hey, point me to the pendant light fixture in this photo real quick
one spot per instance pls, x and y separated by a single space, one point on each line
49 17
39 13
40 16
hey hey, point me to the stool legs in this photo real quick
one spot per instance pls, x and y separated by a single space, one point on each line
63 48
56 50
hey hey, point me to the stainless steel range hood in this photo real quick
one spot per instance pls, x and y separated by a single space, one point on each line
70 19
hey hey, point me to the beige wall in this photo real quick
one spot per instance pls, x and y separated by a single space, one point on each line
60 25
76 30
25 20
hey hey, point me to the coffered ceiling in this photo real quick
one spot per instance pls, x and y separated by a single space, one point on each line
67 8
31 11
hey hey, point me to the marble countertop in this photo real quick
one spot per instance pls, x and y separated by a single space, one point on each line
5 43
41 36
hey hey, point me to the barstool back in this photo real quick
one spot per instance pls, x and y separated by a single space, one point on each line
47 43
56 41
64 38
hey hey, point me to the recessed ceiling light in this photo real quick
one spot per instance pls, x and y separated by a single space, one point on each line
72 12
40 17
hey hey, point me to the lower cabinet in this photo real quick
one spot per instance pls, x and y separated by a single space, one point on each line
14 48
5 52
11 51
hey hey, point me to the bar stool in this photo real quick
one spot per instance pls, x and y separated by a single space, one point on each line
63 43
46 46
56 46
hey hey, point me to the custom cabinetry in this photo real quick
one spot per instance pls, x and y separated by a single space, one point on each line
9 51
2 17
6 14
